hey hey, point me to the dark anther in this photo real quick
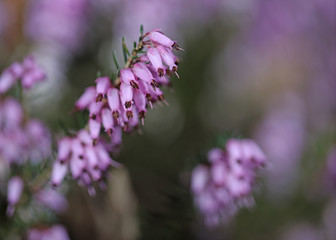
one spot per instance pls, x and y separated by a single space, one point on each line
176 46
134 84
115 115
129 114
148 97
142 114
161 97
128 104
99 97
110 131
161 72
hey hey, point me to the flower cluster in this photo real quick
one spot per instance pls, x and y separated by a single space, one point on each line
28 72
116 107
226 183
51 199
21 138
123 104
87 160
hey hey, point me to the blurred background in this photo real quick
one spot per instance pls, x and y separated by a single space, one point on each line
261 69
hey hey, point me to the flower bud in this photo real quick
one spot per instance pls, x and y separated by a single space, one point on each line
113 101
126 95
155 58
127 77
103 84
161 39
14 191
64 149
86 99
58 173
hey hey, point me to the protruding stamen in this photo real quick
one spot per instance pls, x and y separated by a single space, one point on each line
161 98
129 114
177 47
142 114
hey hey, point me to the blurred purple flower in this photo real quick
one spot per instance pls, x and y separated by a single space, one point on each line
39 140
52 199
15 187
309 29
21 141
226 184
282 136
56 232
61 23
87 160
28 72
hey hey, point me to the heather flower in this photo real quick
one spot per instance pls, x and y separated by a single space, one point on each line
57 232
19 140
58 173
15 187
161 39
225 184
116 107
39 140
9 77
12 114
103 84
29 72
88 96
32 73
88 160
281 134
52 199
122 104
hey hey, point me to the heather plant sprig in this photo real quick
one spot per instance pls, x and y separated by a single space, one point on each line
225 183
116 106
23 141
25 147
28 73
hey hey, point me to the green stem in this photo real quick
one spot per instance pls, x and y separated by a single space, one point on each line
130 60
